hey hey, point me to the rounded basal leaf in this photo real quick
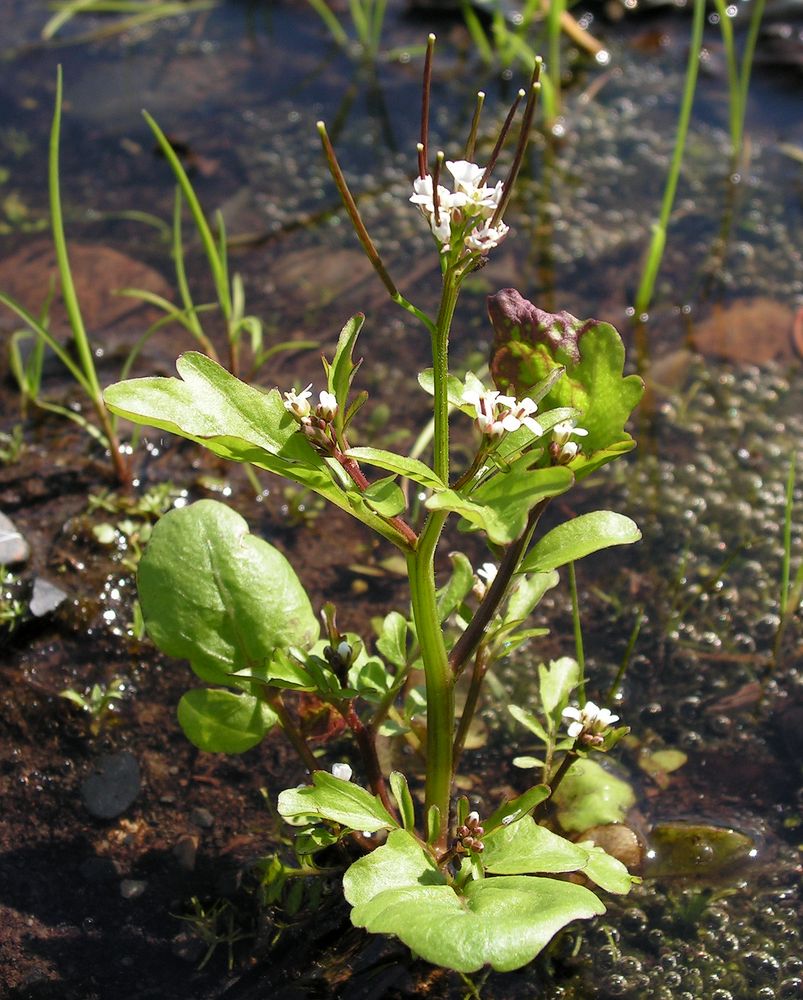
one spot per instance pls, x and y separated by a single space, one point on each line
530 342
572 540
590 796
524 848
501 922
222 721
217 596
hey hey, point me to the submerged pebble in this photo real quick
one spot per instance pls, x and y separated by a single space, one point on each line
112 786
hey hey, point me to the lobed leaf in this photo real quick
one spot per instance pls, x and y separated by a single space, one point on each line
530 342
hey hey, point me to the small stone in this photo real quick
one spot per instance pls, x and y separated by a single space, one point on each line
185 852
132 888
203 818
619 841
187 947
46 597
99 869
112 786
13 547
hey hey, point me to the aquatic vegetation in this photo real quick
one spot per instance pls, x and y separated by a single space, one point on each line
655 250
460 889
124 14
83 370
738 76
99 703
367 19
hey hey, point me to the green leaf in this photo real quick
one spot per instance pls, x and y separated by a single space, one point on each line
500 507
338 801
529 721
217 596
241 423
590 796
526 593
608 872
579 537
404 800
385 497
370 678
453 593
454 389
340 373
556 683
400 465
222 721
392 641
529 343
524 848
515 809
502 922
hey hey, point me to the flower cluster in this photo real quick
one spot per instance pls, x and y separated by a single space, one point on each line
498 414
316 424
467 212
469 835
562 449
298 403
589 723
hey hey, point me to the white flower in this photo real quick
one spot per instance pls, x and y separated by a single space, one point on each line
486 237
441 229
487 572
327 407
564 430
467 175
342 771
496 414
297 403
590 719
563 449
423 196
521 413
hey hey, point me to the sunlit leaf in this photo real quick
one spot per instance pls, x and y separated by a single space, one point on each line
221 721
579 537
215 595
338 801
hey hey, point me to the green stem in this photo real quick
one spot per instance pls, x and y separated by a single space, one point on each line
440 365
481 662
578 635
439 680
472 636
291 731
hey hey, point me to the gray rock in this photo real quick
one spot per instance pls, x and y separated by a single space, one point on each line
203 818
112 786
132 888
46 597
13 547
